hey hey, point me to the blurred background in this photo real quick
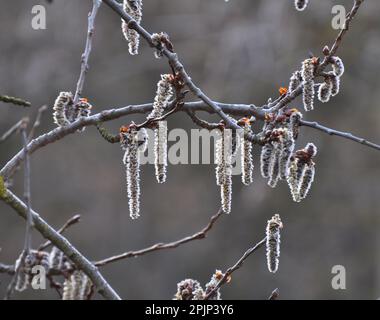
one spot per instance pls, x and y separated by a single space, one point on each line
237 51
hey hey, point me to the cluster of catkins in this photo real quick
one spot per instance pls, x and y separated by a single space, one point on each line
302 171
273 242
225 151
77 286
301 4
278 158
134 140
55 260
65 112
329 88
190 289
134 9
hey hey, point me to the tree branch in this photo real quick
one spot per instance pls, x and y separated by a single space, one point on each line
73 220
333 132
235 267
161 246
87 50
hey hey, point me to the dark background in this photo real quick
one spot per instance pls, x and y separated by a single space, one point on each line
239 51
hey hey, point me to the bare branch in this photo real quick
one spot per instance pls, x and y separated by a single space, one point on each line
14 129
333 132
161 246
341 34
37 122
73 220
27 193
87 50
235 267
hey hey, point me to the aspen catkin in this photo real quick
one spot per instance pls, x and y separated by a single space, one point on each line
160 151
189 289
338 66
273 242
246 156
62 104
295 81
265 159
130 143
287 148
134 9
308 84
325 90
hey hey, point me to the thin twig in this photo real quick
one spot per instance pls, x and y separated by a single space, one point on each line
37 122
14 129
86 54
202 123
161 246
333 132
27 193
235 267
73 220
341 34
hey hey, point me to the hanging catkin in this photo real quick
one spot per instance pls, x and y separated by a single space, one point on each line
307 73
163 95
62 104
246 155
77 286
134 9
286 149
273 242
302 171
130 143
160 151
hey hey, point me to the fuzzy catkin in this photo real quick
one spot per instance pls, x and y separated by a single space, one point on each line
134 9
163 94
130 143
226 191
55 259
189 289
246 157
160 151
335 84
295 81
294 121
338 66
77 286
62 104
265 159
220 158
287 148
273 242
301 4
295 172
308 84
274 167
325 90
83 109
307 180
